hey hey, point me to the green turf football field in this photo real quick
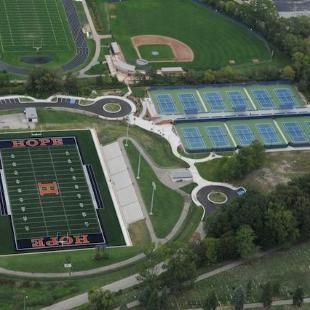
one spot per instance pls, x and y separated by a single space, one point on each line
27 24
69 212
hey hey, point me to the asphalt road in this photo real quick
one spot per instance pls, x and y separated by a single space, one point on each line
95 108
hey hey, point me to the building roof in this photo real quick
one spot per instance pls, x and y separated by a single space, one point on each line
31 113
172 69
123 66
115 47
181 174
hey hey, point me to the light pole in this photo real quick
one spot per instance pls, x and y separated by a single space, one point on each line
139 166
127 133
152 201
25 298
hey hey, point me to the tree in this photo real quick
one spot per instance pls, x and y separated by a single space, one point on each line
288 73
280 225
298 297
211 245
267 295
71 84
245 241
100 299
238 298
181 270
211 301
42 81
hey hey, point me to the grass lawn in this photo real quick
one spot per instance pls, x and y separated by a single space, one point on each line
54 261
98 69
188 188
203 30
108 131
112 107
167 203
165 52
139 233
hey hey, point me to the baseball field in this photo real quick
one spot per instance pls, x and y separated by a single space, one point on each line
216 41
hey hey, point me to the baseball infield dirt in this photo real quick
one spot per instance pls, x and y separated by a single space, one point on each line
181 51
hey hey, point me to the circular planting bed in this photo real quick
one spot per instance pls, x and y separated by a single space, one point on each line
112 107
217 197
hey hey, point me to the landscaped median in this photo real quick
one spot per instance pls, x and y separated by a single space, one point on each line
168 203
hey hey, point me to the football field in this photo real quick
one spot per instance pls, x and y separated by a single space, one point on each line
50 194
27 24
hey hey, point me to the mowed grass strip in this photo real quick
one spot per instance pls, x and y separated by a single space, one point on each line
167 203
165 52
54 261
214 39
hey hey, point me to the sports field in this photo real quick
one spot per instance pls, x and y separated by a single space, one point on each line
224 98
34 27
232 134
156 52
56 192
214 39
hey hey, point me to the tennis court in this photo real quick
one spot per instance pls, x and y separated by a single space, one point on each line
269 133
215 101
218 136
285 97
189 102
243 133
50 192
193 138
263 98
294 132
239 102
166 104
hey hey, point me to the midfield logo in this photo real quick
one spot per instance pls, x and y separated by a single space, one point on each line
36 142
59 241
48 189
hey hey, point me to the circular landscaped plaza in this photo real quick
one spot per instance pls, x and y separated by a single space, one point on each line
112 107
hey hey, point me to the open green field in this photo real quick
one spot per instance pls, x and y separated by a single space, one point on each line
27 24
168 204
197 26
164 52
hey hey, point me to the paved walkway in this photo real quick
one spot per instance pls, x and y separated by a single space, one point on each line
97 38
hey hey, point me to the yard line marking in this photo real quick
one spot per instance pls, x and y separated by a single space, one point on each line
49 17
9 24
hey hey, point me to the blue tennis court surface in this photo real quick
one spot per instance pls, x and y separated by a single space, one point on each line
215 101
268 133
166 104
217 136
193 138
263 98
238 101
295 132
244 134
286 98
190 103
